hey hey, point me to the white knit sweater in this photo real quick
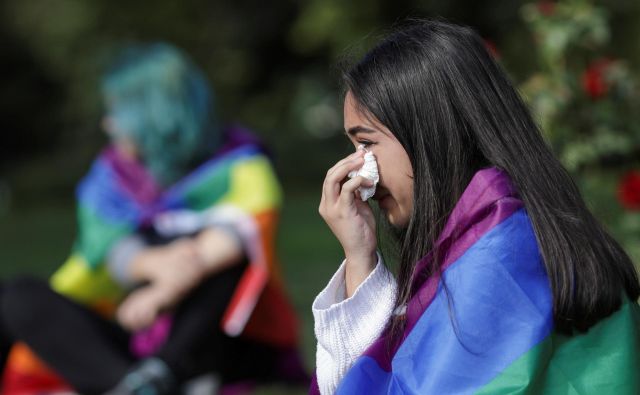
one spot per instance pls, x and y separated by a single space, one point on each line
344 327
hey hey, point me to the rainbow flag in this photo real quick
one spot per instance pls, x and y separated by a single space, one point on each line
237 186
493 331
118 197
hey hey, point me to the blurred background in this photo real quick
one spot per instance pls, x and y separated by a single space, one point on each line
275 66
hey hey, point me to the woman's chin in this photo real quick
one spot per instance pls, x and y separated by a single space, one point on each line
396 220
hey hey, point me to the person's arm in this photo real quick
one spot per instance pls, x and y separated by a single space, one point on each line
219 248
120 257
212 250
172 271
178 263
346 326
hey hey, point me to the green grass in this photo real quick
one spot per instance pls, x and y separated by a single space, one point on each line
37 239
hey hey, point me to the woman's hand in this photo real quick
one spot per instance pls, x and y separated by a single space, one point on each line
180 266
172 271
350 219
178 262
141 308
218 249
176 267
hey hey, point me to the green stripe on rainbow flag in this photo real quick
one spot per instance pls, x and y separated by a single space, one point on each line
605 360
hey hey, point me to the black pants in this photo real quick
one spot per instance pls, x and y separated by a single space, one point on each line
92 354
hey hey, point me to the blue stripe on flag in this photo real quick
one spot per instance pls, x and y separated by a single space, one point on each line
499 307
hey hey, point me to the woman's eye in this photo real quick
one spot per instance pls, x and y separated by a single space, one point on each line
366 143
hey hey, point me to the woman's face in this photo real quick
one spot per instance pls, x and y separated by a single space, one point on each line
394 193
124 145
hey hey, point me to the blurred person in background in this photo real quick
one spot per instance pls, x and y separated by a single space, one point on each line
506 282
173 274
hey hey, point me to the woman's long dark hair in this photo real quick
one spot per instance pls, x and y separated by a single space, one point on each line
454 110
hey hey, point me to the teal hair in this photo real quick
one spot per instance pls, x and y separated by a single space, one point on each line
159 100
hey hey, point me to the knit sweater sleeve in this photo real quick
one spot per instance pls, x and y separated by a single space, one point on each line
345 327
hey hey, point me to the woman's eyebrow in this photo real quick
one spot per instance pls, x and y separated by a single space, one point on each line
359 129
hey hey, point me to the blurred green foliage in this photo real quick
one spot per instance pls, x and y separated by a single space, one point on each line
274 66
586 96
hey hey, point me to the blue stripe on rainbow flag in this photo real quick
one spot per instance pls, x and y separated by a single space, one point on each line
98 193
499 307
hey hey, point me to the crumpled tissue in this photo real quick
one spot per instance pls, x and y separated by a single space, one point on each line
368 170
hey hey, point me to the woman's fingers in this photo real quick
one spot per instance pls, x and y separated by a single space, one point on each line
357 154
334 182
137 311
337 174
124 315
347 195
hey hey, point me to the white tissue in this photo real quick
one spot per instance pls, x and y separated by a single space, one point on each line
368 170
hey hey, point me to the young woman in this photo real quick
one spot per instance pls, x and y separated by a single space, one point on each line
173 273
506 283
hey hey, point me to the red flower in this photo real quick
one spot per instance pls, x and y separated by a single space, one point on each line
629 191
491 47
594 82
546 7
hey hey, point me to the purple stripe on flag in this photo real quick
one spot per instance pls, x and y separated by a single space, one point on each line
132 177
314 389
489 199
